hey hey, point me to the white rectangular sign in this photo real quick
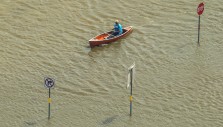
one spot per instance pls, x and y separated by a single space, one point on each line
132 67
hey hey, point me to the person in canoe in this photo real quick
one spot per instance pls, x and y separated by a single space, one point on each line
117 30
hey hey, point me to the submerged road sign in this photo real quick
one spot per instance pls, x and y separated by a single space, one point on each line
49 82
200 8
130 83
131 70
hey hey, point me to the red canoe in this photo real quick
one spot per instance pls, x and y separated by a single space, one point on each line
101 39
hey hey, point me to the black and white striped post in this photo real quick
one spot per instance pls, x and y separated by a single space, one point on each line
49 83
131 72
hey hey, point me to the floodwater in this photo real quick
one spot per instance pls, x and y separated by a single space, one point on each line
177 83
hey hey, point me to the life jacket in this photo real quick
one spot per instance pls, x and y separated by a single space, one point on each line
118 27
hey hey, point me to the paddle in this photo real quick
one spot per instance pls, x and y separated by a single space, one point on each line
110 34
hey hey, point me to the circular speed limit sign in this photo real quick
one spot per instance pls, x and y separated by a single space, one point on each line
49 82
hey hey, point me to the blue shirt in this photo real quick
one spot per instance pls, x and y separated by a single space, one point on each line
118 28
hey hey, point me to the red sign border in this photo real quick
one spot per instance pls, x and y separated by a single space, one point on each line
200 12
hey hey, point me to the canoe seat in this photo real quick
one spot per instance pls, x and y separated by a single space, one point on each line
123 31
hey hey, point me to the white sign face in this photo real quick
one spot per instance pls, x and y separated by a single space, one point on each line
49 82
132 67
128 82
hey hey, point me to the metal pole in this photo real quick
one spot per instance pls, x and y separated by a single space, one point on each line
199 31
131 93
49 101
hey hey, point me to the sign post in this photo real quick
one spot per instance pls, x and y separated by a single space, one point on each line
200 10
49 83
130 83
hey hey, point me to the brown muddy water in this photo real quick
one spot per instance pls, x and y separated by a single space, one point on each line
177 82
